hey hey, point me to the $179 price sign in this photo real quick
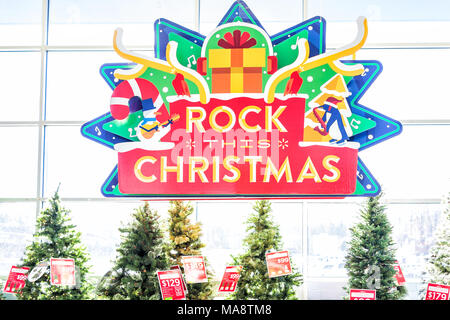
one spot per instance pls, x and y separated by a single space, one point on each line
437 292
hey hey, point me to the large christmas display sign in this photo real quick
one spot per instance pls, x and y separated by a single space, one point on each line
239 113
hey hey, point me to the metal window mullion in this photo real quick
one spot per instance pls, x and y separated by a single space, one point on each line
197 16
41 123
42 98
46 123
305 248
412 201
331 46
73 48
305 10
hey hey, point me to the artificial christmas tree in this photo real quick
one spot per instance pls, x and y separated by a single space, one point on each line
438 264
55 237
141 253
370 257
254 282
185 241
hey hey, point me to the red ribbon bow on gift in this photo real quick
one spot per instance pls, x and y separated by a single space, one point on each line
236 40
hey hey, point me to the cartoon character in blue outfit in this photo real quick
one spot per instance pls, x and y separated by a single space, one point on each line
330 107
148 110
150 130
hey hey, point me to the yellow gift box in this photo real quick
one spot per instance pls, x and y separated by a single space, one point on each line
236 70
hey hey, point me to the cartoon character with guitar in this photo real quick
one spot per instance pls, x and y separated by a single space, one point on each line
150 130
330 108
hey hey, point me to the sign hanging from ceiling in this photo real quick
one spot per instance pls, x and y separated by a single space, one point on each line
240 114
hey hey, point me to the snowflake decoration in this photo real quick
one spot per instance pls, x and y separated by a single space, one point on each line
283 143
190 144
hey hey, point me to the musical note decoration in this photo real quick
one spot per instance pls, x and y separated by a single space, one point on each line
98 131
191 61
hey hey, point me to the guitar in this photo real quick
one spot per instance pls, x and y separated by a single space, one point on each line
323 131
148 130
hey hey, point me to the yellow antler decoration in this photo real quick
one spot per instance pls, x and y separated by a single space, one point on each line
171 66
330 58
136 57
199 81
279 75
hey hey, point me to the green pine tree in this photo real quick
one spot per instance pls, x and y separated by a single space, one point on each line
438 264
185 241
56 237
141 253
263 236
371 254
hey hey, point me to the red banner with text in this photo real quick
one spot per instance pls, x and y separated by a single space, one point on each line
240 146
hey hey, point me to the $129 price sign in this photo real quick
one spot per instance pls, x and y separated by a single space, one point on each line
437 292
177 267
171 285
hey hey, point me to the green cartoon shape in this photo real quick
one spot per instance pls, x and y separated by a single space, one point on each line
237 58
187 52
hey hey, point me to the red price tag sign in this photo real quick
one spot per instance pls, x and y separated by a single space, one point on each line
278 264
194 269
399 275
437 292
181 276
171 285
230 279
16 279
62 272
362 294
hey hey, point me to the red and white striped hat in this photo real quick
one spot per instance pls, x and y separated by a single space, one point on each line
120 98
